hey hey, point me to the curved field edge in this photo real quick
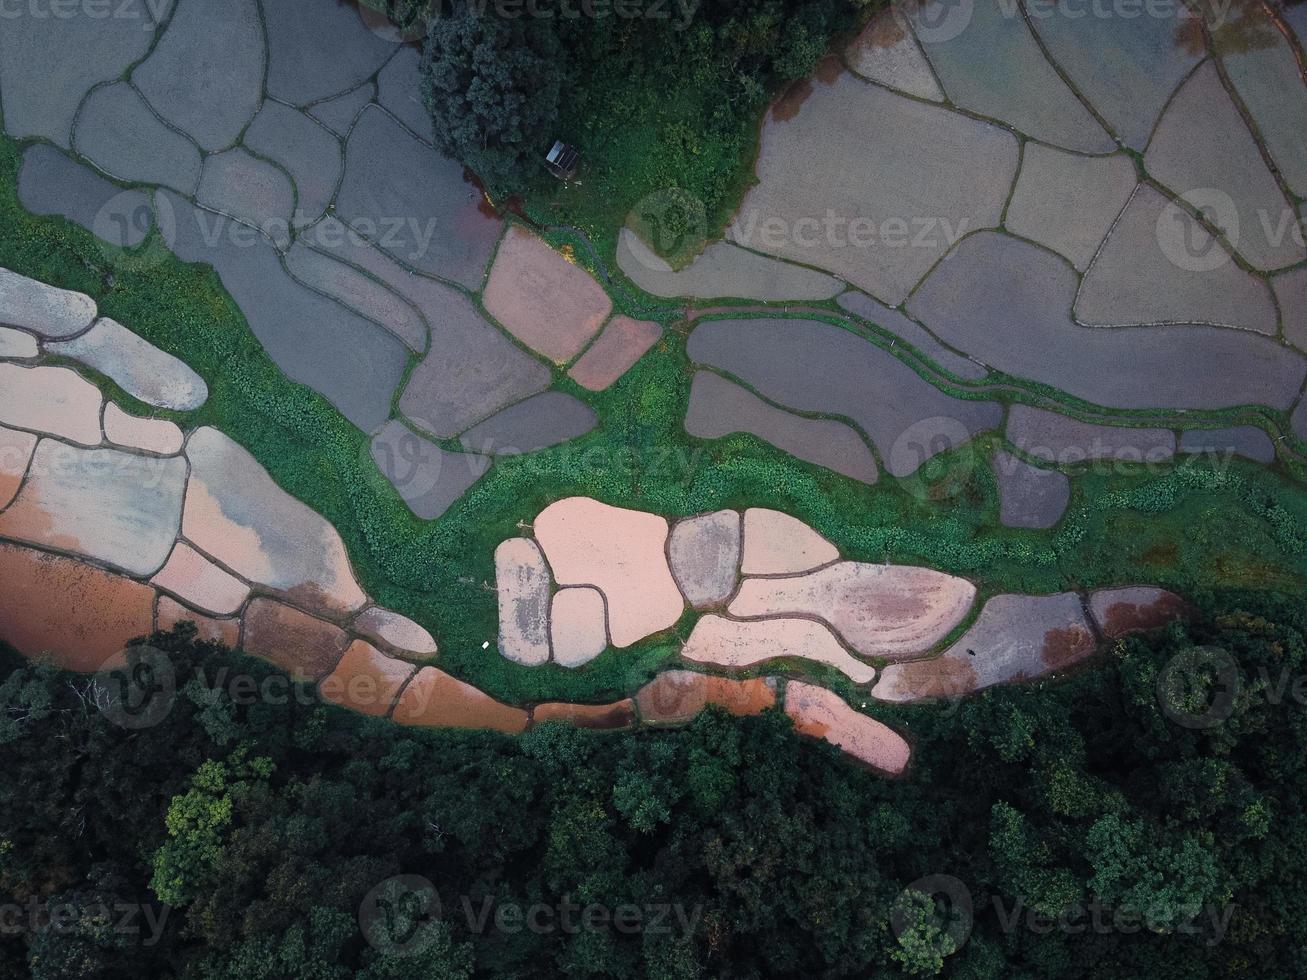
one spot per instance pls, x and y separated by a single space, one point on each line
1189 525
1085 775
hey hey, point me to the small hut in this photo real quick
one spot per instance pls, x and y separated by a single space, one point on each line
563 160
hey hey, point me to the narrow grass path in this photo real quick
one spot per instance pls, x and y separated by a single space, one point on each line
1188 526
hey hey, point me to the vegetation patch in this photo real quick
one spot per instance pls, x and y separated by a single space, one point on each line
661 97
1147 806
1189 525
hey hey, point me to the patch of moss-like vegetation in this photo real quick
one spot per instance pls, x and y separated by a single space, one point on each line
660 97
1195 524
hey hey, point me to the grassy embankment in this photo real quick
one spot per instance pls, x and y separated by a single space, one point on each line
1191 525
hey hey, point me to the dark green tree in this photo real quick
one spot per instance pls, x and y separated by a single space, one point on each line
492 86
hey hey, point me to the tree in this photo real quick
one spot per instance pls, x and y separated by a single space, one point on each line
492 87
197 822
776 857
1162 874
923 943
24 698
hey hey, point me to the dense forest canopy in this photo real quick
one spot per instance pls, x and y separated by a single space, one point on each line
656 94
1146 818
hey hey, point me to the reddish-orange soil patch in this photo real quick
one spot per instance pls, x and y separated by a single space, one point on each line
606 717
198 580
296 642
621 553
943 677
366 680
895 611
1065 646
820 713
787 106
1134 610
435 699
543 300
623 342
777 544
676 696
81 615
225 631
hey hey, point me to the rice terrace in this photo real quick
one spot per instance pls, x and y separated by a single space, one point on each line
625 488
